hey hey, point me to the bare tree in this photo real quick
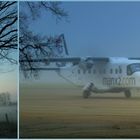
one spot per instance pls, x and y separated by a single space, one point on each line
34 46
8 30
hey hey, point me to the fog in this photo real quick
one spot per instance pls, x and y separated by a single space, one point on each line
8 83
11 112
47 77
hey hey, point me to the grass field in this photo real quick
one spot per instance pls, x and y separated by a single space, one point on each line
8 121
8 130
61 112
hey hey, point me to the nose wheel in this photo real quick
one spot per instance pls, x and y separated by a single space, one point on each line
127 94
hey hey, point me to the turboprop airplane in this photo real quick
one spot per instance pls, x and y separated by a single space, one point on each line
96 74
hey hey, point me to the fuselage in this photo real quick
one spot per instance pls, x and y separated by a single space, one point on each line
118 74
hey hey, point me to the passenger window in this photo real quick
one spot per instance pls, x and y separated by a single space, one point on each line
84 71
104 71
78 71
116 71
89 71
111 71
120 70
94 71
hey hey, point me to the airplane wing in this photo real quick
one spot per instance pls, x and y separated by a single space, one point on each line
69 59
43 69
98 59
83 63
134 58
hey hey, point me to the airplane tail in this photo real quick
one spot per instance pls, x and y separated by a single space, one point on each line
61 46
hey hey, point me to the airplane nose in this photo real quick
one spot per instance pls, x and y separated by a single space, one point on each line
137 74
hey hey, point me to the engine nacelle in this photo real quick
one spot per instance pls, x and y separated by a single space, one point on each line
86 64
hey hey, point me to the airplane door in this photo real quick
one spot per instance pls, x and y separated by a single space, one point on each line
78 75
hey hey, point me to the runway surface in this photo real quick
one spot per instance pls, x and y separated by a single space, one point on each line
61 112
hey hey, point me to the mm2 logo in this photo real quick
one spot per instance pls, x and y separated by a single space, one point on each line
126 81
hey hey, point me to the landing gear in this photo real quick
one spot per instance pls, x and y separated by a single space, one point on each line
86 93
127 94
87 90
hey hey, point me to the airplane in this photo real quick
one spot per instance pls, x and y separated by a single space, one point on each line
96 74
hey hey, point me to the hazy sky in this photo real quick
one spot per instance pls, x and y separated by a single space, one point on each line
96 28
8 79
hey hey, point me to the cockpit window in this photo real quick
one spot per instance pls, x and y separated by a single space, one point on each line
133 68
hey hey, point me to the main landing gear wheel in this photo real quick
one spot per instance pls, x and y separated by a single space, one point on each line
87 90
86 94
127 94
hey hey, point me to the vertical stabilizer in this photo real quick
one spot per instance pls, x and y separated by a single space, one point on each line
62 46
